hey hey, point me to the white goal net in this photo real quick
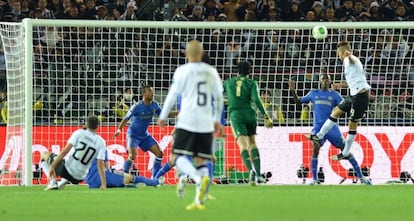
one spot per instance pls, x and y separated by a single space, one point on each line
63 71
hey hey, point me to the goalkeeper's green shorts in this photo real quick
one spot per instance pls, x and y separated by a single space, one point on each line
243 123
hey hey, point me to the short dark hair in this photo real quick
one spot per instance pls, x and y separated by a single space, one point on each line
92 122
144 88
244 68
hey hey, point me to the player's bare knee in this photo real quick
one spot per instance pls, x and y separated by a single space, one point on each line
159 154
128 178
132 155
45 155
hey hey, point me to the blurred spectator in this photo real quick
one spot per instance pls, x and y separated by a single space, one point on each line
101 13
346 12
310 16
387 9
90 10
250 16
230 9
364 16
211 7
273 15
177 15
197 15
358 7
73 13
374 11
294 14
401 14
318 11
16 14
46 13
366 4
188 10
118 7
330 15
241 11
57 7
26 8
129 13
221 17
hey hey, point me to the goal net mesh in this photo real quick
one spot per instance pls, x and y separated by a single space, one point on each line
79 70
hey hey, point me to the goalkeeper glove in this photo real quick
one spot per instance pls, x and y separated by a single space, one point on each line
268 121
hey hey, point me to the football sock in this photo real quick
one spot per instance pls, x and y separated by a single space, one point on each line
246 159
140 179
210 166
326 127
45 167
127 165
314 165
348 142
256 160
186 166
164 169
156 166
62 182
355 165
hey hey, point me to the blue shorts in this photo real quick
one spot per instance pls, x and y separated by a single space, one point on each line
113 179
334 136
142 142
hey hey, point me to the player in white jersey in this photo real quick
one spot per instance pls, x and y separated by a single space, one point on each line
197 83
74 161
356 104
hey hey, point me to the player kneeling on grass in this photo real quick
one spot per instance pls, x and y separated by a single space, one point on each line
84 146
115 178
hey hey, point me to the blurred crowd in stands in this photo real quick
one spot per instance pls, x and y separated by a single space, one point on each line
211 10
71 63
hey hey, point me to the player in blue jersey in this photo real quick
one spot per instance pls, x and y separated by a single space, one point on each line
114 178
324 100
141 115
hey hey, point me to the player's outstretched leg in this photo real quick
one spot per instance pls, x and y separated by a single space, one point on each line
161 172
46 160
156 166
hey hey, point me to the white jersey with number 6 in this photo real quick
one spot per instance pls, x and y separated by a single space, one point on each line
197 83
87 146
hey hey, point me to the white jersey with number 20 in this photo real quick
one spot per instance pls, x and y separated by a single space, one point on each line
87 146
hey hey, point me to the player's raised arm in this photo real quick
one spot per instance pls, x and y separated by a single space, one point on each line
101 171
292 90
120 127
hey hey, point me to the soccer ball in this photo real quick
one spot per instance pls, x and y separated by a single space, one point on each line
319 32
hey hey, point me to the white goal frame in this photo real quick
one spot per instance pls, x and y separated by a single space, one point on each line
28 56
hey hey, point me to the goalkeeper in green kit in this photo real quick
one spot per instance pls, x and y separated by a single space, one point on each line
242 94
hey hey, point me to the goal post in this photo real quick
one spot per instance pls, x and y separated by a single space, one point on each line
61 71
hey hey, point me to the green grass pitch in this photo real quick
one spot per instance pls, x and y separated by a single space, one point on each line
233 203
